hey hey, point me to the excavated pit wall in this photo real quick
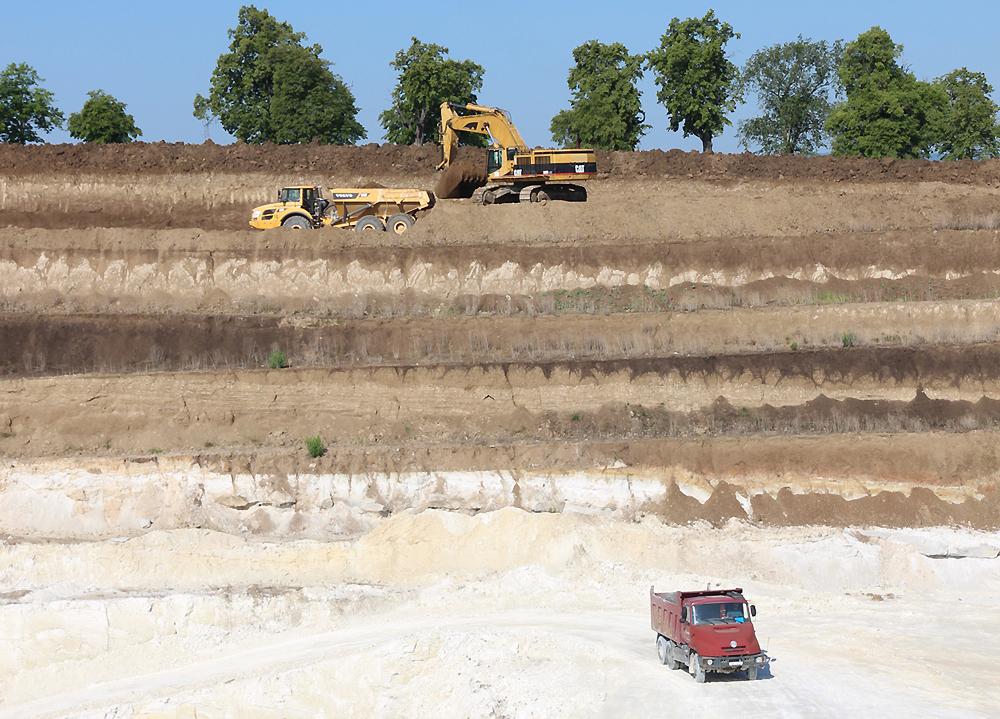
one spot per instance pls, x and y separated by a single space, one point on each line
43 344
181 270
101 498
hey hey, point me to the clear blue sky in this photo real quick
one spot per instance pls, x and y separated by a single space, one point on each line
155 56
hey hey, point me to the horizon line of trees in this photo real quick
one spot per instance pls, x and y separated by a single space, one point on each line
857 98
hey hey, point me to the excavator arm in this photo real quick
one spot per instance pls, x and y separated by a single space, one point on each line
479 119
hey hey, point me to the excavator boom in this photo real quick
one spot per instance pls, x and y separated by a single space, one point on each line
481 120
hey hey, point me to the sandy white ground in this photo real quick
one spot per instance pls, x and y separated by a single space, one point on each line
506 614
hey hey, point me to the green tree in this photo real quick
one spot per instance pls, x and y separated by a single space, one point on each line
426 79
969 130
103 119
888 112
794 82
605 110
699 85
270 87
26 108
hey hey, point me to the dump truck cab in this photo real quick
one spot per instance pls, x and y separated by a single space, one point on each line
299 207
708 631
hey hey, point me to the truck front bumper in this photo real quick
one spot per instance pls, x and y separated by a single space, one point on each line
733 664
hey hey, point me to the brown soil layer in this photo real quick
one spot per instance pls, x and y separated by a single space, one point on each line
104 343
925 254
380 160
491 404
336 275
55 344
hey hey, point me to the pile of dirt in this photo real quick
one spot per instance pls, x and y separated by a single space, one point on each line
747 166
396 160
176 157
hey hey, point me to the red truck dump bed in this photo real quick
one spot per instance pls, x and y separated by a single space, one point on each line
706 631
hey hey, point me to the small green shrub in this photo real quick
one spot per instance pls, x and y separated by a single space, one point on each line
849 339
156 450
576 417
315 446
277 360
794 346
831 298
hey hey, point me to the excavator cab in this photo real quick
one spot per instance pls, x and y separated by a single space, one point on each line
494 160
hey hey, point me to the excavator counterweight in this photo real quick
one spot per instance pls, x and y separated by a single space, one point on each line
514 172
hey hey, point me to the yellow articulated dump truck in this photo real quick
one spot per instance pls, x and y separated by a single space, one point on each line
366 209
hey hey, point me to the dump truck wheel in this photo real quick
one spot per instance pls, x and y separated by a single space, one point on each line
297 223
661 648
369 224
399 224
671 662
696 669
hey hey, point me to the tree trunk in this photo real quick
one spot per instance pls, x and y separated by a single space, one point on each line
706 144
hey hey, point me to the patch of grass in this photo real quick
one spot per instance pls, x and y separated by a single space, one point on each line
156 450
277 360
315 446
849 339
576 417
793 346
831 298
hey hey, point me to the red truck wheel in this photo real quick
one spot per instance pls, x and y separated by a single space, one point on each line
661 648
752 673
696 669
671 662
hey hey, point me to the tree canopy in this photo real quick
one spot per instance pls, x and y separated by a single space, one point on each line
270 87
103 119
969 130
605 108
794 82
888 112
427 77
698 84
26 108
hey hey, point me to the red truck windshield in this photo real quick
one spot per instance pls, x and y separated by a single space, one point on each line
721 613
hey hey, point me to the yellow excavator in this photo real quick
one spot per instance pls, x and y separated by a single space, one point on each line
514 172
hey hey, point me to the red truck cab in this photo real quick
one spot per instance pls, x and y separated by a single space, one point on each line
707 631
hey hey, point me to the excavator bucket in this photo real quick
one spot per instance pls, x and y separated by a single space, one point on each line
460 180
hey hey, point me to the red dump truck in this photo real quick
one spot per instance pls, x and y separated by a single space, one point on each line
706 631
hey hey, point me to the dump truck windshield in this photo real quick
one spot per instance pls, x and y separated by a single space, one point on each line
290 194
721 613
